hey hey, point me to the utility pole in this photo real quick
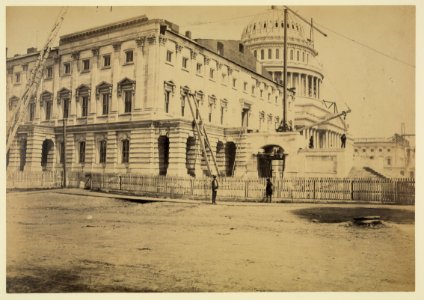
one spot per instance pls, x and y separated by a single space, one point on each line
285 71
64 149
286 10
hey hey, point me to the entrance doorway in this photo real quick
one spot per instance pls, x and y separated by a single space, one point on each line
47 155
230 158
271 162
163 145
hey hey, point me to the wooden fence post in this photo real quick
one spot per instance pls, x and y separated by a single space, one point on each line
314 189
351 190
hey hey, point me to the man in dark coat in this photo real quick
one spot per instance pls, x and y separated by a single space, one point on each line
268 190
343 139
214 189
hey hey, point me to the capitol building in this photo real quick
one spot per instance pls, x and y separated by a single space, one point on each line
127 91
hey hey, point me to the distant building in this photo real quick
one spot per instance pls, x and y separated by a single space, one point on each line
390 157
123 89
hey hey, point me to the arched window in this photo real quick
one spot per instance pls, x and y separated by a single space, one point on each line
262 54
102 151
125 151
277 53
269 54
291 54
255 53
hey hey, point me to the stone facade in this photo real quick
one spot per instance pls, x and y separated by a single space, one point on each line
122 89
391 157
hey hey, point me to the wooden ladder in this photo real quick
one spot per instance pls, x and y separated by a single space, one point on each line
201 132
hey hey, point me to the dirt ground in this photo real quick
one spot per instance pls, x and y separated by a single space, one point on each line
68 243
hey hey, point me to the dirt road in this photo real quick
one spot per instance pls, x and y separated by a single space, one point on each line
68 243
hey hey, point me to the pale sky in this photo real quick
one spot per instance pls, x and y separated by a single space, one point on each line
379 89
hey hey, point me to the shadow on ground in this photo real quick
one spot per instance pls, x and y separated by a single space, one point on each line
345 214
59 281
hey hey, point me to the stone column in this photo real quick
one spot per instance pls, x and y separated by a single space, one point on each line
307 85
114 107
90 154
112 151
177 153
94 74
33 152
318 87
74 84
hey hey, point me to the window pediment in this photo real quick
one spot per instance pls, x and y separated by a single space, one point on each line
13 101
212 100
103 88
169 86
62 94
82 90
126 84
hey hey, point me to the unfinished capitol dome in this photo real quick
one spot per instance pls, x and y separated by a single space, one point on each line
264 38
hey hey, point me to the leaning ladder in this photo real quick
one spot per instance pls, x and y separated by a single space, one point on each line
201 131
33 83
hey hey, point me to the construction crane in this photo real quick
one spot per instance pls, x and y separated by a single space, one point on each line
33 83
201 133
326 119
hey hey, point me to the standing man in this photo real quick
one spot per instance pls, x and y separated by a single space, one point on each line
214 188
311 142
343 138
268 190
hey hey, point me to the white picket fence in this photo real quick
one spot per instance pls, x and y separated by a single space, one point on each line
396 191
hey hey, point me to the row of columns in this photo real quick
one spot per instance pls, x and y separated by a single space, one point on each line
306 85
323 138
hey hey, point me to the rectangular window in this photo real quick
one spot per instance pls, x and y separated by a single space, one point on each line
86 65
125 151
65 108
197 109
31 111
210 113
169 56
102 151
185 62
277 53
48 109
269 53
105 104
261 92
129 56
245 117
234 82
253 89
167 101
82 152
245 86
84 108
106 60
61 152
128 101
222 115
49 72
67 68
262 54
199 68
17 77
211 73
22 155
